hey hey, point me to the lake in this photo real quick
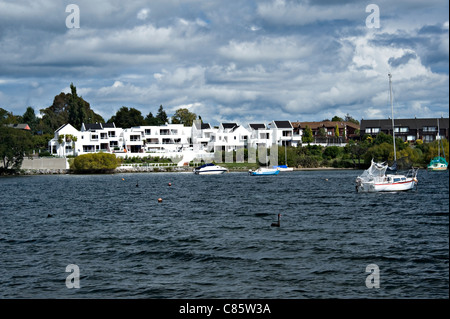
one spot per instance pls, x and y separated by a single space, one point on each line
211 236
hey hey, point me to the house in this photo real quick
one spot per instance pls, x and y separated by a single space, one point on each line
260 134
409 129
283 133
24 127
324 132
228 137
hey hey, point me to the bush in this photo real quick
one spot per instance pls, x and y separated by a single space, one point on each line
95 163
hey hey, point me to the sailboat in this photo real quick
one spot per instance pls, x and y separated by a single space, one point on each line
438 163
263 171
375 178
284 168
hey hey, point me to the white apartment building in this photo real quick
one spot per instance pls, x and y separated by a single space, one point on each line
170 139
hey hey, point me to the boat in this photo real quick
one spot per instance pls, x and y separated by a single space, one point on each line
283 168
438 163
378 177
209 169
375 179
262 171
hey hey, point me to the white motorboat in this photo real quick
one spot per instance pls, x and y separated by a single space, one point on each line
210 169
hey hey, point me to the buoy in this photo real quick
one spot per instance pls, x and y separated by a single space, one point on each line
137 184
160 200
170 184
123 179
277 224
49 215
326 179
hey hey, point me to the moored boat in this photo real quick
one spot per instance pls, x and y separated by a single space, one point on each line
209 169
264 171
375 179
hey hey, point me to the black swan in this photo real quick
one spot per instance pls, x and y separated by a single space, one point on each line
277 224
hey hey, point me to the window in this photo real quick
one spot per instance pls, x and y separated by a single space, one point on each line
103 136
148 131
411 138
112 134
429 128
372 130
135 138
94 137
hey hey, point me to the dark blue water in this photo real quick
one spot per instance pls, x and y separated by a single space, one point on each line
211 237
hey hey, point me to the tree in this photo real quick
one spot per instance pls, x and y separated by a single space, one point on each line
307 135
337 119
183 116
350 119
321 132
336 131
162 116
14 145
67 108
29 117
151 120
127 117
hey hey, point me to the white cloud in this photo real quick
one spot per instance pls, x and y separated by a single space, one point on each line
143 14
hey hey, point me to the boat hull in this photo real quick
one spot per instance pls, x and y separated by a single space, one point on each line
371 187
264 172
210 172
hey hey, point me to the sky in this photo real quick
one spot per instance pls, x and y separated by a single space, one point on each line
241 61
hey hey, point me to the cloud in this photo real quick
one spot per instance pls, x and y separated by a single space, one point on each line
239 60
143 14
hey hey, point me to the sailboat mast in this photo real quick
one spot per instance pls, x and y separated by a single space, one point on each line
392 110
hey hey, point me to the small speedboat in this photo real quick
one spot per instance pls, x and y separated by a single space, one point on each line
209 169
264 171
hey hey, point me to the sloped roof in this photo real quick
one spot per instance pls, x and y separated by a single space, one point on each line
413 123
283 124
330 124
257 126
20 126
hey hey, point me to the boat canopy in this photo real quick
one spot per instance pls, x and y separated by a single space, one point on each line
205 165
375 172
438 160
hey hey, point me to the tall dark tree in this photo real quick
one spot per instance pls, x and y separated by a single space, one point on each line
161 115
67 108
127 117
29 117
151 120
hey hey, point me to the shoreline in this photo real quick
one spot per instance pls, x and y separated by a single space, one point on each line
33 172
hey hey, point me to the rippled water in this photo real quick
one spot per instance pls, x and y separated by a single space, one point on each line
211 237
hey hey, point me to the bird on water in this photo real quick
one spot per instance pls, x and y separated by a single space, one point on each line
277 224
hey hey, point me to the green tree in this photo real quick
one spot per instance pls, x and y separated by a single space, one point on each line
336 131
321 132
127 117
15 144
67 108
337 119
162 116
151 120
307 135
183 116
331 152
29 117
